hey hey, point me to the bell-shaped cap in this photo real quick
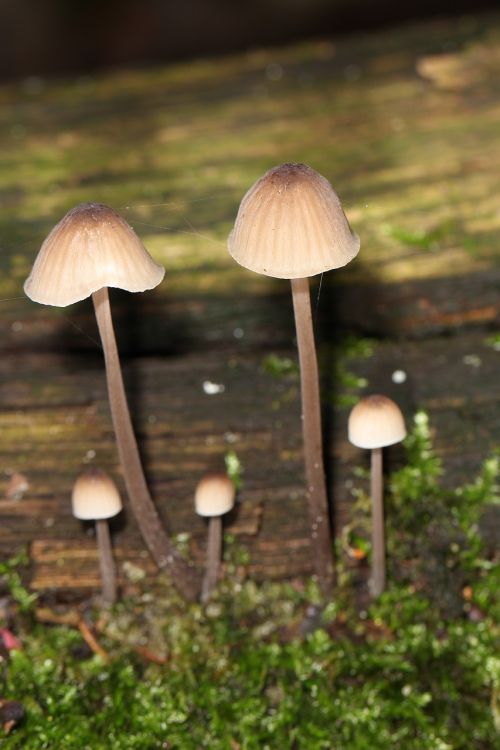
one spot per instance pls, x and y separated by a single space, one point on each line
91 247
214 495
95 496
290 225
376 421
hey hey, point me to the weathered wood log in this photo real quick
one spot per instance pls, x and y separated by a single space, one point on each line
256 415
409 141
412 153
197 323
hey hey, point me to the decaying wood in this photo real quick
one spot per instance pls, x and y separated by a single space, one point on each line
257 415
409 140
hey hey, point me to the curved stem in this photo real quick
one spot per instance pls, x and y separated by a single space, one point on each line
106 562
214 549
377 583
163 552
311 429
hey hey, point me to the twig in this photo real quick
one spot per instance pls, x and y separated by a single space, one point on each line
150 656
91 640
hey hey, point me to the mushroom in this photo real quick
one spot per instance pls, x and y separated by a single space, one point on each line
290 225
96 498
90 249
213 497
374 423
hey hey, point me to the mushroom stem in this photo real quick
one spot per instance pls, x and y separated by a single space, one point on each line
377 583
214 549
311 429
106 562
163 552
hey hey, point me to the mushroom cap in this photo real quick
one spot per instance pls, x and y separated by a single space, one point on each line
290 224
91 247
95 496
376 421
214 495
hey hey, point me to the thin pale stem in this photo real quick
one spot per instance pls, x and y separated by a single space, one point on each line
106 562
214 550
163 552
377 583
313 442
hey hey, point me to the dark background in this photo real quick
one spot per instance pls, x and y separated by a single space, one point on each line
39 37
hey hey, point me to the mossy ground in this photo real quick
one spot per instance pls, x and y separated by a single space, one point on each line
270 665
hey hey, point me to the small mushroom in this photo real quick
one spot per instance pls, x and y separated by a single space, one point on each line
96 498
91 249
374 423
291 225
213 497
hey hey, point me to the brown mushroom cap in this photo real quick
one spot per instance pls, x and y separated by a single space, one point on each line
375 422
92 247
214 495
290 225
95 496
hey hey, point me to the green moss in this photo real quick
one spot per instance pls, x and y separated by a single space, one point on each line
279 366
336 362
493 341
423 239
11 578
226 687
234 468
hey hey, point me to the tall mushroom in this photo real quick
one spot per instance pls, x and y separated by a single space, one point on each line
291 225
96 498
90 249
214 496
374 423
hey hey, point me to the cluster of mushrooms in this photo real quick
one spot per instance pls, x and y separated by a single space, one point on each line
290 225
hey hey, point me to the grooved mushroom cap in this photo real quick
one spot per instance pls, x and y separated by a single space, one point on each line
290 224
95 496
376 421
214 495
91 247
